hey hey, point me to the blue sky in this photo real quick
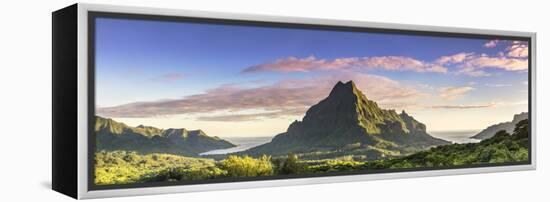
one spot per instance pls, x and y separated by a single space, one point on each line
173 74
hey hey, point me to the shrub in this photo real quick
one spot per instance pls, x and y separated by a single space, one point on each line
291 165
247 166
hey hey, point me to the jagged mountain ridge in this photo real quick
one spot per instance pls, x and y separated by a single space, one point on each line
113 135
507 126
346 117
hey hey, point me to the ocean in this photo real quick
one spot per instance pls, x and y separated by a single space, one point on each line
459 137
244 143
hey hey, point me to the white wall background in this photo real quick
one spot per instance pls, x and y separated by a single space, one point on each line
25 98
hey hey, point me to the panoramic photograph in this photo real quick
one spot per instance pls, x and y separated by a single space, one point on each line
191 102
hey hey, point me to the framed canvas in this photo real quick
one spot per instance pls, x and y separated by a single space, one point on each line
151 101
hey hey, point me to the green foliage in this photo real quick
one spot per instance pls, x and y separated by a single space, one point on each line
334 165
185 174
522 129
501 148
247 166
290 165
121 167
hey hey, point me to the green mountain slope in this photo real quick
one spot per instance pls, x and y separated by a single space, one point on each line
346 117
502 147
112 135
507 126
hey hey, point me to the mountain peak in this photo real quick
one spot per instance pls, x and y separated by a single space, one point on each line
345 117
342 88
519 117
350 85
198 132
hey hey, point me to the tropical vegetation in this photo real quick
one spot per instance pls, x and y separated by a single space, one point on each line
121 167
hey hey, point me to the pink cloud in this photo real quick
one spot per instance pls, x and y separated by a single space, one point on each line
513 58
473 64
284 98
505 63
518 50
392 63
452 59
451 93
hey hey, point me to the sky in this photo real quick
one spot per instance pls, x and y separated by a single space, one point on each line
236 80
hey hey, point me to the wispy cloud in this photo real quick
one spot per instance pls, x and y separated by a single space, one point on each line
491 43
513 58
169 77
285 98
462 106
391 63
474 64
467 63
480 105
508 64
249 117
453 59
498 85
451 93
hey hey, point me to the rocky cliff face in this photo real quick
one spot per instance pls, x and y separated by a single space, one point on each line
346 117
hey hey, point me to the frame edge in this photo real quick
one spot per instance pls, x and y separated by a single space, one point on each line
85 193
64 122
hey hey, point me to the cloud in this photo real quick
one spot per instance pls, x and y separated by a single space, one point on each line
491 44
508 64
452 59
462 106
169 77
234 118
468 63
451 93
391 63
471 71
474 64
513 58
478 106
518 49
249 117
497 85
285 98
